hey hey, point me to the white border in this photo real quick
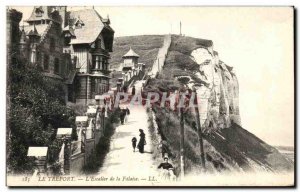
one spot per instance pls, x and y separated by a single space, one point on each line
4 3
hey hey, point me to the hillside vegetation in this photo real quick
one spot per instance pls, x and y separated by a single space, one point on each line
146 46
178 61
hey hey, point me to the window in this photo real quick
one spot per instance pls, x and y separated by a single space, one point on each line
97 62
79 24
52 44
56 66
67 39
46 62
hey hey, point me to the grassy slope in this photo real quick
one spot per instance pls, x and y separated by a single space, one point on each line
178 61
146 46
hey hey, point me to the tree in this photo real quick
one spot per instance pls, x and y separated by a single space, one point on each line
36 109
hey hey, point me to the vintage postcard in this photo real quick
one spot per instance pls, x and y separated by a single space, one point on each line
150 96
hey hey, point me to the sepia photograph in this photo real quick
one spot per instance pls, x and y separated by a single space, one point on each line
150 96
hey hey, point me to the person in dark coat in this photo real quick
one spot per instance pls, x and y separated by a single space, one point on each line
142 141
133 90
167 170
134 140
122 116
165 165
125 89
127 113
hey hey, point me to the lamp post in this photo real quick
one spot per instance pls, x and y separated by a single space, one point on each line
181 115
64 134
199 130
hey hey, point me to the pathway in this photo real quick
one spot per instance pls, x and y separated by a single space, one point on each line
161 56
121 160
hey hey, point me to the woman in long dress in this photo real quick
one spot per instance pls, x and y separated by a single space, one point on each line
142 141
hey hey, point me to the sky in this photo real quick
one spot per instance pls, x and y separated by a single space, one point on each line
257 42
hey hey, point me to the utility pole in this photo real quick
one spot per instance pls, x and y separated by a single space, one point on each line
199 130
180 28
158 65
181 140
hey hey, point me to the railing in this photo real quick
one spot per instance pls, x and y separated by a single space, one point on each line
85 130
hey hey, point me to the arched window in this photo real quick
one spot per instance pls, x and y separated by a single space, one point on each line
56 66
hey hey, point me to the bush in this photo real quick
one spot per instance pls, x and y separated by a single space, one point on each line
36 108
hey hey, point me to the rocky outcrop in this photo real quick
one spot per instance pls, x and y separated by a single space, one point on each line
217 87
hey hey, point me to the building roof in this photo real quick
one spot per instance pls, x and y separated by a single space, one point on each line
91 28
41 13
130 53
69 29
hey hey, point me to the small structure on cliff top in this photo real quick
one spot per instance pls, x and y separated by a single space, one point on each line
130 66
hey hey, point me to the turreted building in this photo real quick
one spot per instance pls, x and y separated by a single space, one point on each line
69 46
89 38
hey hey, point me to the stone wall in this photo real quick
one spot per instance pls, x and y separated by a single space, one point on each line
89 147
76 163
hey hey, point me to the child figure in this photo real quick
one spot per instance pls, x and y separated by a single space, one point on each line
133 140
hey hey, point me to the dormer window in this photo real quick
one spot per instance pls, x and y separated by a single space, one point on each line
39 12
79 24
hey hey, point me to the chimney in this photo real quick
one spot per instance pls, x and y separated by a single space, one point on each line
63 14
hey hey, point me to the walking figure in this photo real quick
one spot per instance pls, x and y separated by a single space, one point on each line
134 140
133 91
127 114
122 115
142 141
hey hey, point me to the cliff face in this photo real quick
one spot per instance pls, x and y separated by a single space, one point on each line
194 62
217 87
227 145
